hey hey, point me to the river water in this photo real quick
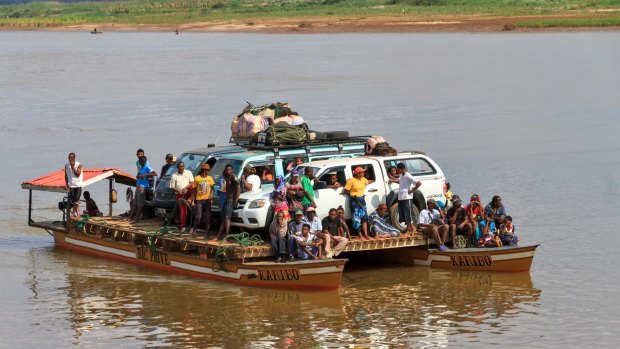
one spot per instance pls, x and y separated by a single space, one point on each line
531 117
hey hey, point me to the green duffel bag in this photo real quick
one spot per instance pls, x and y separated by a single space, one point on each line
281 133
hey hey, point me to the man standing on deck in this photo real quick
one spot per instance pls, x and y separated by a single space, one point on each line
182 182
230 189
406 186
73 184
306 182
142 183
356 188
140 153
169 162
203 185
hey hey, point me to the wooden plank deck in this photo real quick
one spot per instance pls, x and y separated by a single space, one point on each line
119 229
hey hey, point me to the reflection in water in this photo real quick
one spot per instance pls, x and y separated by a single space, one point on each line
398 307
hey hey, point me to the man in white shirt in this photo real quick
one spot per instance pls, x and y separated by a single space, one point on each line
406 186
73 183
182 182
251 181
431 223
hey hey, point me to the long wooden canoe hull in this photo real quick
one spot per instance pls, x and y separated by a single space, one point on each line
502 259
306 275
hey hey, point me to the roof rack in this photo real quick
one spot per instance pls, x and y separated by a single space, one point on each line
339 142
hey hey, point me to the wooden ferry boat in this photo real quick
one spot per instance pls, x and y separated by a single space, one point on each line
144 244
502 259
116 239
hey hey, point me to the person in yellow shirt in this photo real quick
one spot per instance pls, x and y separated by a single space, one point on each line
356 188
203 186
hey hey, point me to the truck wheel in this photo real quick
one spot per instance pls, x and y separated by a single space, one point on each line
394 217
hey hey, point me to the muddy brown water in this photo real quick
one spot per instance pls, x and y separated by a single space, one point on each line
531 117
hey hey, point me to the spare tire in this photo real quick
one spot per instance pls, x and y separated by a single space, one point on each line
337 134
319 135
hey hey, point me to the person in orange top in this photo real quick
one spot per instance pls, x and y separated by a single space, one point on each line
356 188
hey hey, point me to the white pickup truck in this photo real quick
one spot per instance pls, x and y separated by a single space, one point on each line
418 164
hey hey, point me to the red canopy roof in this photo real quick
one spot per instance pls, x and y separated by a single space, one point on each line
55 181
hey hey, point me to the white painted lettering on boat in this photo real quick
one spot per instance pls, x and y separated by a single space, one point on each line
145 253
278 275
471 261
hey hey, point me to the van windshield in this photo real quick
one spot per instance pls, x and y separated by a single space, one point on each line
191 161
218 168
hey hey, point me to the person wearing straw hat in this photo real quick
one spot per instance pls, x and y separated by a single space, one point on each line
203 193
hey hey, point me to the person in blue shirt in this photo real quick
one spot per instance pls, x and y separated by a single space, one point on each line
142 184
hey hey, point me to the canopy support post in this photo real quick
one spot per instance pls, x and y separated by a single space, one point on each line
110 203
30 207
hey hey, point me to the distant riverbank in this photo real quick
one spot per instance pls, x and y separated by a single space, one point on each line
314 16
345 25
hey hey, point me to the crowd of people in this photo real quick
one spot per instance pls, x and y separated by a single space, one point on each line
296 231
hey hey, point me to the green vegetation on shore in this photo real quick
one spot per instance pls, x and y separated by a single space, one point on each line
133 12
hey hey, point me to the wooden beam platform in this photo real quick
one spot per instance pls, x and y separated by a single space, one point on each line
119 229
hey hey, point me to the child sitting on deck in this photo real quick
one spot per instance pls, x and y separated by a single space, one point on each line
490 237
507 234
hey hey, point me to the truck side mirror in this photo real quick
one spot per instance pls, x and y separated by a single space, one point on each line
320 185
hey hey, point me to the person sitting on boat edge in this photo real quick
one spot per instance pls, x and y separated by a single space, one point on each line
379 225
203 194
507 234
345 227
182 182
308 244
277 232
142 183
497 209
333 233
294 230
459 223
490 236
316 228
91 206
475 214
430 224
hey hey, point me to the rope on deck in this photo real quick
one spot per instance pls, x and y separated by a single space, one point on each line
165 230
243 239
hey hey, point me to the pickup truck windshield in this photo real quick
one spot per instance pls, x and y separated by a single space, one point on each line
191 161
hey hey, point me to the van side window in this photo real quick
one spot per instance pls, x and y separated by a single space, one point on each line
419 167
291 163
370 171
339 174
266 173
